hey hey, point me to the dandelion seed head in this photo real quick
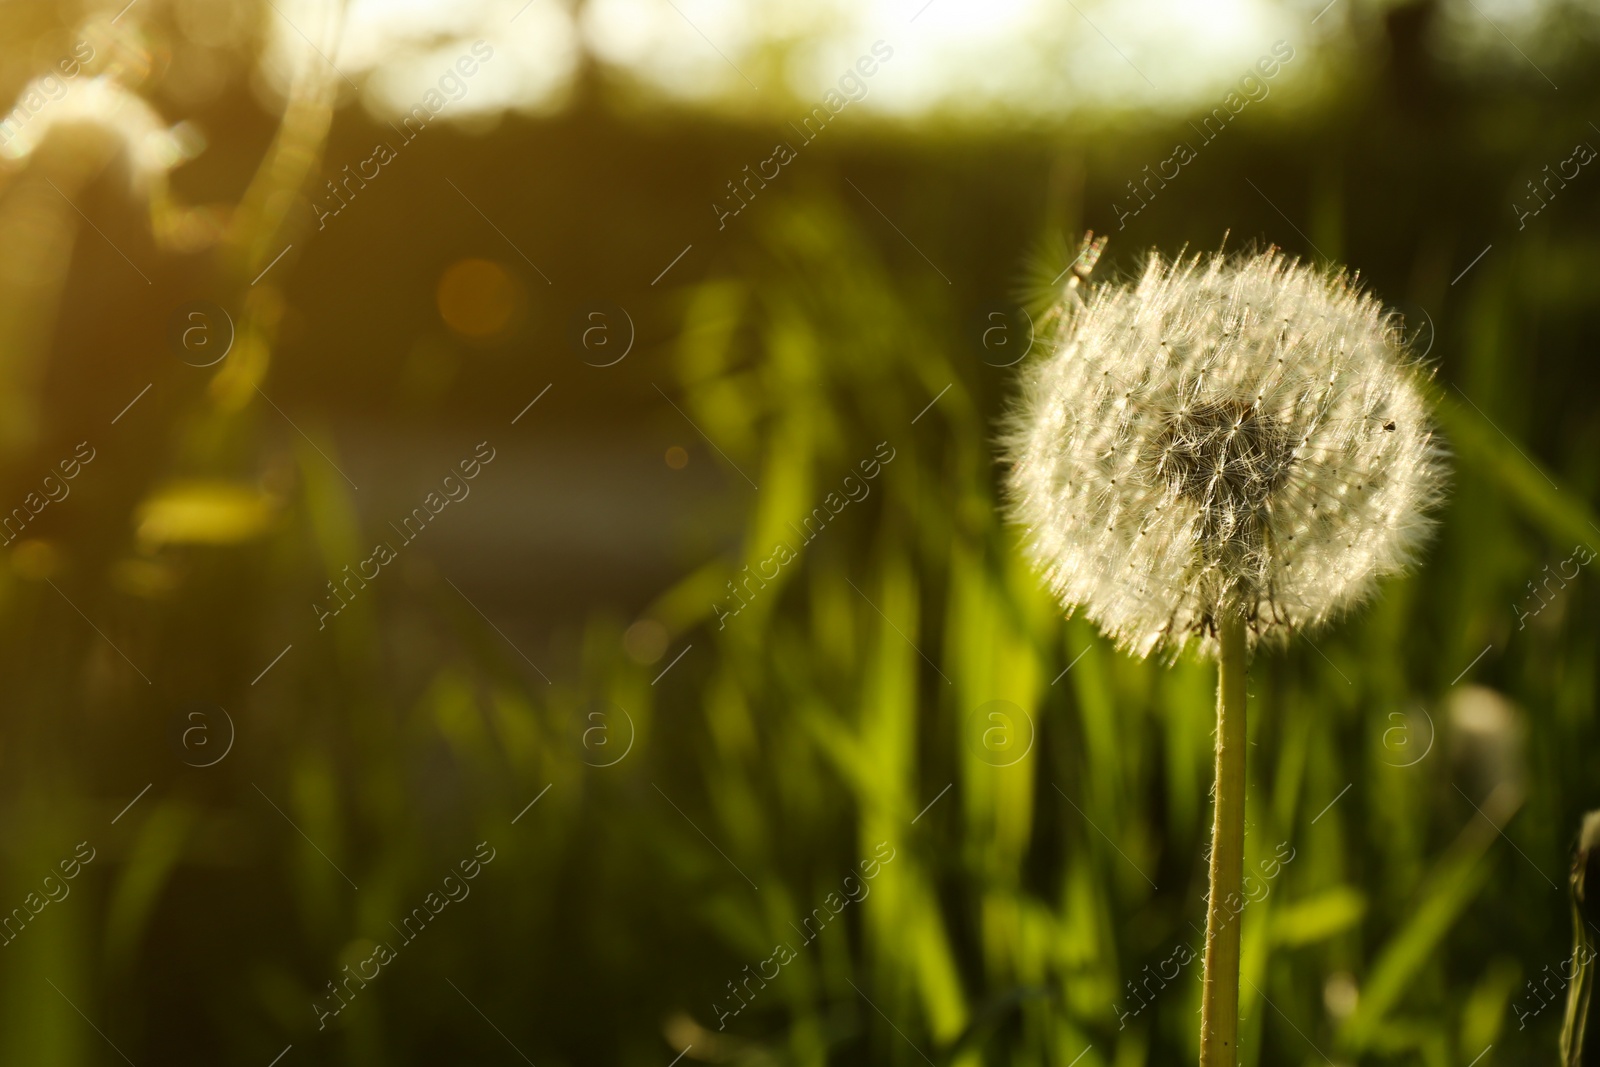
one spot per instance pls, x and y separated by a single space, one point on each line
1221 435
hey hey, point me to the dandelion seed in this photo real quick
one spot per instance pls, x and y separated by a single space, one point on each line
1239 436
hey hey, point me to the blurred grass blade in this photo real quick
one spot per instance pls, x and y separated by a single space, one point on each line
1563 515
150 864
1319 916
1583 884
1454 881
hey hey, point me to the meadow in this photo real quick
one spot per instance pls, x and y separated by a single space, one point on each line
899 681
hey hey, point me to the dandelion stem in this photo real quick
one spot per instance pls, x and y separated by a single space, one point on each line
1219 1005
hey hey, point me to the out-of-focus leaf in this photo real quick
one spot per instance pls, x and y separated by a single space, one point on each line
1562 514
1484 1013
148 866
1319 916
204 513
1450 887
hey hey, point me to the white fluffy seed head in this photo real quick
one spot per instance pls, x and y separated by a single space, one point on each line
1222 435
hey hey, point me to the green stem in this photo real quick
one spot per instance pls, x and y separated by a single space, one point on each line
1219 1004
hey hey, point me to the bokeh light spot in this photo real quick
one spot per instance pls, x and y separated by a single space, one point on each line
478 298
645 641
35 559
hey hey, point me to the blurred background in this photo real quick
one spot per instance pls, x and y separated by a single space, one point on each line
562 431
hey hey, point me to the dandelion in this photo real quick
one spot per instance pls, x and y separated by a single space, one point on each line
1216 455
1222 437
